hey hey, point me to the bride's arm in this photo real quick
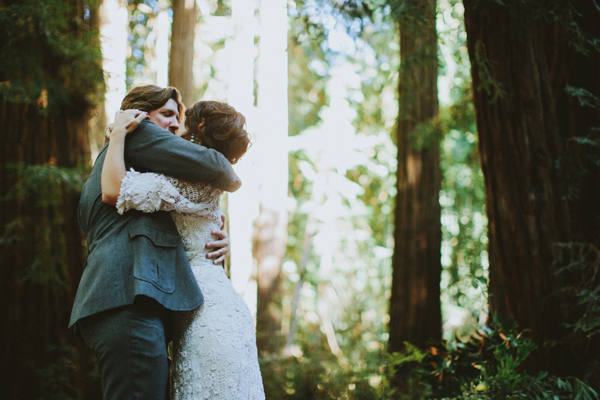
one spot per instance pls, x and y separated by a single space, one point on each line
113 169
150 192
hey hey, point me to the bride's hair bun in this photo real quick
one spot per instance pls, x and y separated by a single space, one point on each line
218 126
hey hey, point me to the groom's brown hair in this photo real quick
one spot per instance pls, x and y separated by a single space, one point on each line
151 97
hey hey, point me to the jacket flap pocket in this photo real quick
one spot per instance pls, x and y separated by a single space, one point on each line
158 237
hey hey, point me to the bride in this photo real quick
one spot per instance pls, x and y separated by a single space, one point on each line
215 354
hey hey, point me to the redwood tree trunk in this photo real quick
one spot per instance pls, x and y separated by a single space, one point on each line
415 314
521 67
181 59
51 72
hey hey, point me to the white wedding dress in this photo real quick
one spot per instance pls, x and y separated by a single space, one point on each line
214 346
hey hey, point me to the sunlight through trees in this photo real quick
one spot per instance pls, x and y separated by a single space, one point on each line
418 211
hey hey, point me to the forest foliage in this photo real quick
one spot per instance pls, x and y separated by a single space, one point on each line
50 81
349 283
39 34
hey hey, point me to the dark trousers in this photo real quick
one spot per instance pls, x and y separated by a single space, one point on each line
130 343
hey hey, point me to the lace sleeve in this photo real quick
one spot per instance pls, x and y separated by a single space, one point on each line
150 192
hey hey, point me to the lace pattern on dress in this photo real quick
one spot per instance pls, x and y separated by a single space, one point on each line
150 192
215 354
215 345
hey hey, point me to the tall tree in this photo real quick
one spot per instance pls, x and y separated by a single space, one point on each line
162 30
242 206
415 314
181 58
537 120
113 17
271 226
51 78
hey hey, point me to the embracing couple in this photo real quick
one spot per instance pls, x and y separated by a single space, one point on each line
150 210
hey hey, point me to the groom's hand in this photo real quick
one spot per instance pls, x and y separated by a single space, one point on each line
221 244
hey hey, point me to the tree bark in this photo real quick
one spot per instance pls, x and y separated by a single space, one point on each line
44 125
521 67
181 60
415 314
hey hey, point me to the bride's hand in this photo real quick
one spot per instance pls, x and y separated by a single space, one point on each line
125 122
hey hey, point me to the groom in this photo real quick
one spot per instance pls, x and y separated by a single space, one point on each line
136 271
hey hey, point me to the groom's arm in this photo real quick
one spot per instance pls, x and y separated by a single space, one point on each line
151 148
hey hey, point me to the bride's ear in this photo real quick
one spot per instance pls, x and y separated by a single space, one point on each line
201 124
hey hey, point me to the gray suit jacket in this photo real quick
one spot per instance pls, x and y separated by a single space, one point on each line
138 253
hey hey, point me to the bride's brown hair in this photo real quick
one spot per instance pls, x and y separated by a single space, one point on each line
218 126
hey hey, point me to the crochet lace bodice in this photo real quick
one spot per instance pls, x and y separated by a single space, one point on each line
196 205
215 355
